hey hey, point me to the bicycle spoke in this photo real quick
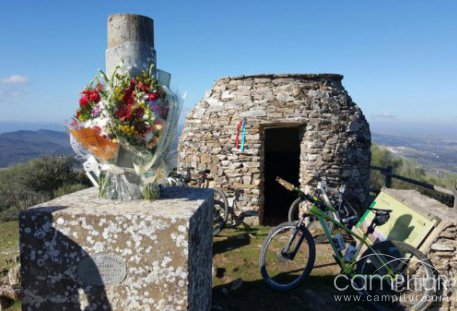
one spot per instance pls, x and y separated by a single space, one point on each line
412 284
280 266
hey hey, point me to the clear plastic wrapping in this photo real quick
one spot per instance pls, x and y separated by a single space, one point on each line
123 132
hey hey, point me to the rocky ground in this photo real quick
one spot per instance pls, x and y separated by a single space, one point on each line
9 268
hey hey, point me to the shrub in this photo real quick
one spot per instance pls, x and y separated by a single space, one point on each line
38 181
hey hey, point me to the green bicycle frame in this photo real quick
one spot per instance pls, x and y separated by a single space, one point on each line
347 268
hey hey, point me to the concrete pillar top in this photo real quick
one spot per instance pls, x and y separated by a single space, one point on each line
124 28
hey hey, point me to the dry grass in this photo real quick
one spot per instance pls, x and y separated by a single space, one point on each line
9 250
9 245
238 284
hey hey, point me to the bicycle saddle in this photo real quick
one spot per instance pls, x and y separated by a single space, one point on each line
381 215
379 211
204 172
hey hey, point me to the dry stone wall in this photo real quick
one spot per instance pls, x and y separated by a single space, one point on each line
442 255
334 134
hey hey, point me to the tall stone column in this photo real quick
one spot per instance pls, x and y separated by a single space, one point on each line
130 49
130 42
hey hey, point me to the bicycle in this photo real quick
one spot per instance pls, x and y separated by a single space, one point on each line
234 220
347 206
220 201
288 255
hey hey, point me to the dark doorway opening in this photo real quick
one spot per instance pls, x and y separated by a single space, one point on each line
282 158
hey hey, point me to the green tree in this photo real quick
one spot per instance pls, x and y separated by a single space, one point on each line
381 156
38 181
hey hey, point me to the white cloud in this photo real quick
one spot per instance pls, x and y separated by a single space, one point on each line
12 96
15 94
15 79
13 89
384 115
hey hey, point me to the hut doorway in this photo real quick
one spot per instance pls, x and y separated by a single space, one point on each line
282 158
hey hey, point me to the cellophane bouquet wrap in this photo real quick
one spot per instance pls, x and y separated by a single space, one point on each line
123 130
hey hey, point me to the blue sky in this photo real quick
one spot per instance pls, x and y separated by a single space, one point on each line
399 58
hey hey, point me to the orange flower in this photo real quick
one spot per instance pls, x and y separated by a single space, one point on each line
91 140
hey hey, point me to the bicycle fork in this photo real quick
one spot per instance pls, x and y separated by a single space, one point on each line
286 252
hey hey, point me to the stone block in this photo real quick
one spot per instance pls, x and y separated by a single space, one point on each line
82 252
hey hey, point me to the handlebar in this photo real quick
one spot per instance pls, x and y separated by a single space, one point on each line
187 177
289 186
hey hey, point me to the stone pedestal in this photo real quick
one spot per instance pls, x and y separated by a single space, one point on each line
82 252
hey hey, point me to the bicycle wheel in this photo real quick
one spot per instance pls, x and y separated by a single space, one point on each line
220 210
311 223
414 286
279 268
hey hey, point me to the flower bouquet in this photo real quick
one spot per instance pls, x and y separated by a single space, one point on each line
123 129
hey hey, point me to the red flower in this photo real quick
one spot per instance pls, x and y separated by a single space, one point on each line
124 112
132 83
140 85
139 112
84 101
94 96
128 97
153 96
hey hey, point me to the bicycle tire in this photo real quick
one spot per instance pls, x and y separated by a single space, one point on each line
220 207
307 268
218 219
294 215
396 251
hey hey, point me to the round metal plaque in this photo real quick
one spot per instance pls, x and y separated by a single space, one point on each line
102 269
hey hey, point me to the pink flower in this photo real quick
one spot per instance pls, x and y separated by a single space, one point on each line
153 96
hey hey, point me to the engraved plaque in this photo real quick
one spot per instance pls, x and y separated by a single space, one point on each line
102 269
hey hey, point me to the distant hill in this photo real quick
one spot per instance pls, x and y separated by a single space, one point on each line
434 154
24 145
21 146
13 126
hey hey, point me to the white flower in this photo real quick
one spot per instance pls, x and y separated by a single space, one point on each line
148 137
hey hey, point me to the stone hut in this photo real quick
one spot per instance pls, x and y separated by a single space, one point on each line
297 126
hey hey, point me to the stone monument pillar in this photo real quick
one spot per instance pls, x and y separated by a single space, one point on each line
131 41
131 50
82 252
